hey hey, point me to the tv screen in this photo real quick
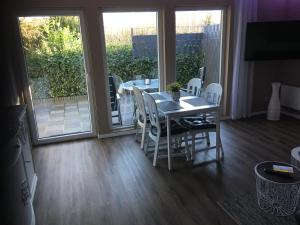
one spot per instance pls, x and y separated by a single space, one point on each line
273 40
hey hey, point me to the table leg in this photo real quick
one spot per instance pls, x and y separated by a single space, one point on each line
169 142
218 137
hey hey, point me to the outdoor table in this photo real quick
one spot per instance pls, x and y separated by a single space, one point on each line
140 84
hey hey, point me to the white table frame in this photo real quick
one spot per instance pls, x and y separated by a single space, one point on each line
185 111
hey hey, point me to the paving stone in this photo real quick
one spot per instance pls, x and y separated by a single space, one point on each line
56 119
73 125
53 112
62 117
42 119
85 109
55 127
84 116
70 105
58 104
71 113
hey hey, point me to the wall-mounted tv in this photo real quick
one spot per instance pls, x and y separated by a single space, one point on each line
273 40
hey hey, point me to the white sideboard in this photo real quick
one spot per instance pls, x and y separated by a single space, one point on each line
17 166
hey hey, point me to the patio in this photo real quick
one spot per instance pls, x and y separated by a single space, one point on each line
62 116
67 115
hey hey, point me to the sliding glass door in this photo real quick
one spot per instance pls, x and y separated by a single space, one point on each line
55 64
198 45
132 60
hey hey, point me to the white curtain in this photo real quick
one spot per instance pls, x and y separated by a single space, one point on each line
242 83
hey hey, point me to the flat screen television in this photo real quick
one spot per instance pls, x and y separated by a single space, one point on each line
273 40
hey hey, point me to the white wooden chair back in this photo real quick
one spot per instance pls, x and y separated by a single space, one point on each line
139 100
194 86
118 81
202 73
152 112
213 93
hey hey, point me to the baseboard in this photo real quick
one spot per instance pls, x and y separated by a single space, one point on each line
117 133
294 115
225 118
297 116
258 113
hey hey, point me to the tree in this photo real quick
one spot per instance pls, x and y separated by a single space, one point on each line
207 20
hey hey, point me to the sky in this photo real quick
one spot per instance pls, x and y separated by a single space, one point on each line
123 20
116 20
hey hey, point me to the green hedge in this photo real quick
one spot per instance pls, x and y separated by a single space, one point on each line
62 74
57 75
187 67
121 62
55 63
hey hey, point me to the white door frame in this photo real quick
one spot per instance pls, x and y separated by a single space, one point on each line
223 75
26 87
160 63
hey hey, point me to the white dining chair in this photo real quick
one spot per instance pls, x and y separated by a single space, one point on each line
141 115
213 93
194 86
204 123
158 130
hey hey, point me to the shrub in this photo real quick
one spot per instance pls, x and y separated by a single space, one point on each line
121 62
54 56
187 67
57 75
55 59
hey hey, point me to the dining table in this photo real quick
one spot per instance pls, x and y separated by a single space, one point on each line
186 106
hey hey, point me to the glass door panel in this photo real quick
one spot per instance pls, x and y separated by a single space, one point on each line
55 64
132 60
198 45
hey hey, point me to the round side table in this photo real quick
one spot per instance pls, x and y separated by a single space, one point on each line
295 157
277 194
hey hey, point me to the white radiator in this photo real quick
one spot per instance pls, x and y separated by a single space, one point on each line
290 97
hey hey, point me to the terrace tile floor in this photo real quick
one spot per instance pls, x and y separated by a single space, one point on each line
62 117
68 116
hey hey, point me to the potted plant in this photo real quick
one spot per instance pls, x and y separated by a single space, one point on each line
174 88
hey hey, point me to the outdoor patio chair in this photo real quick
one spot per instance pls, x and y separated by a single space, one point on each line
114 100
202 74
194 86
118 81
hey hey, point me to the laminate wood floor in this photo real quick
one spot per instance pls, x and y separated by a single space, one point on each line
111 181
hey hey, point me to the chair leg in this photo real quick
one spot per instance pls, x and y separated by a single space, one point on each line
222 150
143 136
119 114
136 133
186 146
155 153
146 145
207 138
193 146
